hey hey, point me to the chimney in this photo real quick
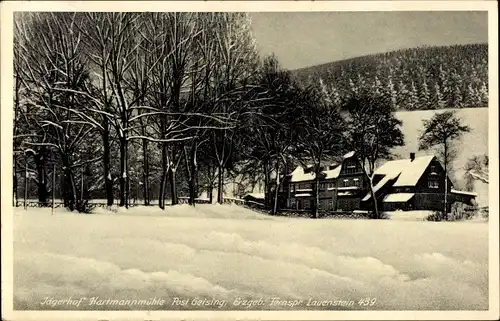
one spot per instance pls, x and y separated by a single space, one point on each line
412 157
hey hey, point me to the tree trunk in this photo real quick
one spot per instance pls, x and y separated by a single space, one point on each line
336 194
266 184
14 183
53 187
371 165
25 183
445 213
123 173
173 186
211 193
106 160
82 187
276 192
220 184
69 184
210 190
145 173
316 196
42 179
163 180
374 198
194 175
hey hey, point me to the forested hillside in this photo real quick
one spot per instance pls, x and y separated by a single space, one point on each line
418 78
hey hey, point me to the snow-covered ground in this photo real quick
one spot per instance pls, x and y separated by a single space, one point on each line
225 252
408 215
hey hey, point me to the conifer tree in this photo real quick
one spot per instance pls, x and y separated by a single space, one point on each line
392 94
457 97
377 86
438 99
470 96
335 96
424 97
403 96
413 97
483 94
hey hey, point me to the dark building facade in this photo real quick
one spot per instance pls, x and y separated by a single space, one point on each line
416 183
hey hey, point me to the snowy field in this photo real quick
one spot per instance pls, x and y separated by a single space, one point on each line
224 253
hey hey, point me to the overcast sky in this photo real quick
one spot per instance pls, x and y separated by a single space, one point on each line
305 39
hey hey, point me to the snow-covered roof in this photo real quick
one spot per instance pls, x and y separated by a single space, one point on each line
409 171
349 155
398 197
348 188
405 171
303 195
412 172
344 194
454 191
256 195
298 175
379 185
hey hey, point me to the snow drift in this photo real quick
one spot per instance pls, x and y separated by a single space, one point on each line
223 252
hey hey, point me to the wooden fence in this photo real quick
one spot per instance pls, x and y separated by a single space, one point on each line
92 204
255 206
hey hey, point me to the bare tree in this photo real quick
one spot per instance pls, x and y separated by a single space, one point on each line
171 42
54 70
112 41
271 129
237 61
373 130
321 136
476 168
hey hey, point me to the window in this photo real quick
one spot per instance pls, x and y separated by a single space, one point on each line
292 187
340 205
433 183
350 168
357 182
292 203
320 204
433 169
346 182
330 204
307 204
304 186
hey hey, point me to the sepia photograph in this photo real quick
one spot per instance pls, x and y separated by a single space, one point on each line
226 160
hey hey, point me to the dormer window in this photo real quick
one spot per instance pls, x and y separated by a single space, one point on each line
433 170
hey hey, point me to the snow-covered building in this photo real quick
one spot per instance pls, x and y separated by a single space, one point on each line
416 183
341 186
